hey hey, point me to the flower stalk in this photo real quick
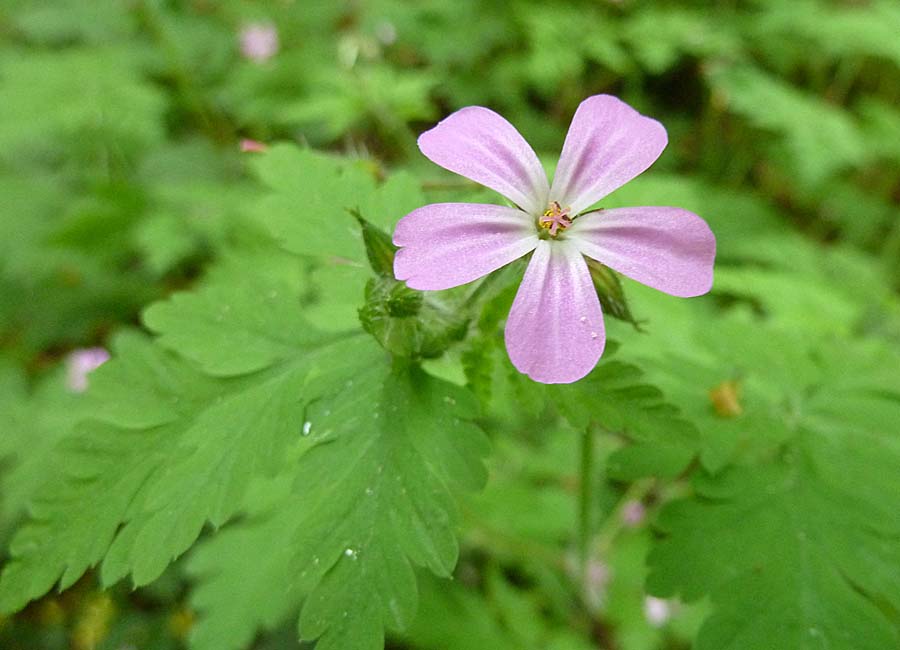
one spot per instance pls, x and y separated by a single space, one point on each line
585 504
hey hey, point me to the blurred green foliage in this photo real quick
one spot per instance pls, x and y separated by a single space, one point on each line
758 428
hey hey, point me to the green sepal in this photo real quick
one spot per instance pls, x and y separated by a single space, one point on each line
408 324
379 248
612 295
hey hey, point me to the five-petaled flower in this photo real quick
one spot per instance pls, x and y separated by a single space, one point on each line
555 331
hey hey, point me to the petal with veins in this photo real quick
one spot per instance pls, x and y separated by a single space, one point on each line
479 144
669 249
608 144
555 332
445 245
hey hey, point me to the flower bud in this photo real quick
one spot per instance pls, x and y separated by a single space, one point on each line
609 290
406 323
379 248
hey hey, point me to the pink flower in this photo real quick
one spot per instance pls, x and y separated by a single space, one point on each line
259 41
554 332
80 363
633 513
252 146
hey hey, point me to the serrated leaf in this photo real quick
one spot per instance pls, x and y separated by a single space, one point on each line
310 210
795 544
807 124
256 319
31 424
616 397
794 557
243 559
313 194
373 498
163 431
399 473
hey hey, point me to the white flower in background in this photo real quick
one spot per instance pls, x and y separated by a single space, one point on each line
657 611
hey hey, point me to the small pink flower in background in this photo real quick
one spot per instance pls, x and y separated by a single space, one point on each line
633 513
80 363
253 146
259 41
657 611
554 332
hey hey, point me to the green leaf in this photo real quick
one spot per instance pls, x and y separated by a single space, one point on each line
256 319
379 96
32 423
792 553
57 22
75 517
796 542
81 91
243 559
615 397
406 322
660 36
388 480
807 124
452 616
310 210
372 499
881 122
838 32
163 431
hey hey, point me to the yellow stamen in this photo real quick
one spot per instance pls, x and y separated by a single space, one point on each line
555 218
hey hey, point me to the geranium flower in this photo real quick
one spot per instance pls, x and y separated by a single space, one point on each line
554 333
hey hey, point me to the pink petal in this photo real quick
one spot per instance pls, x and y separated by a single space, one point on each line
669 249
555 333
608 144
252 146
80 363
477 143
448 244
